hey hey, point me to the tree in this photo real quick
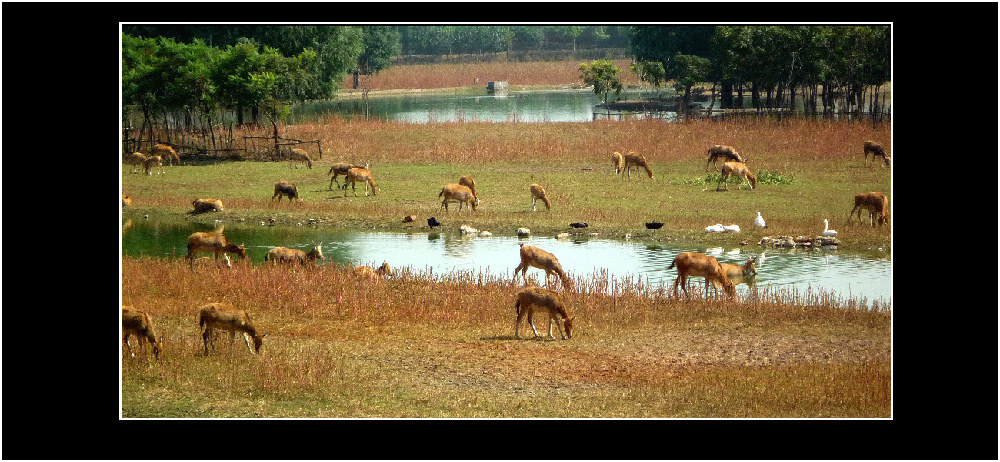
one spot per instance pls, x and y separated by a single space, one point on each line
689 70
381 43
650 71
603 75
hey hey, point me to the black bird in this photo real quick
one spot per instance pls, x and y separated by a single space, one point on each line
578 225
654 225
432 222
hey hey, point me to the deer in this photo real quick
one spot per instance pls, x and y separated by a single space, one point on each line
545 261
287 255
738 274
617 162
284 188
167 152
136 159
139 324
458 193
636 160
341 168
153 161
468 182
214 243
875 149
207 205
363 175
693 264
877 205
549 303
538 192
728 153
298 155
742 173
382 272
222 316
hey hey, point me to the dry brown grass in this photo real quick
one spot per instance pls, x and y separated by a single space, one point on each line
340 346
463 75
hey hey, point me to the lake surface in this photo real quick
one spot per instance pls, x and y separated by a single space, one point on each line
846 275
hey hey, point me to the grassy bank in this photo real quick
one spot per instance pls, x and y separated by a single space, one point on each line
809 170
339 346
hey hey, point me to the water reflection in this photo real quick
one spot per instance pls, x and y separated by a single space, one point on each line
846 274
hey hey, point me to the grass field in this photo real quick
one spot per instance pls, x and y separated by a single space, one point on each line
809 170
338 346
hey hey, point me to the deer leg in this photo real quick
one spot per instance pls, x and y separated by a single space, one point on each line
246 337
127 345
205 338
531 322
517 322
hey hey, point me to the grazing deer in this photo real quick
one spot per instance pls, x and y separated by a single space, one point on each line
341 168
286 255
693 264
727 153
298 155
382 272
458 193
877 205
136 159
617 161
214 243
222 316
546 302
138 323
363 175
636 160
150 162
167 152
533 256
284 188
876 150
207 205
538 192
467 181
741 171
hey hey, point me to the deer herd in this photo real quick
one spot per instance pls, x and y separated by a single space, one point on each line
529 300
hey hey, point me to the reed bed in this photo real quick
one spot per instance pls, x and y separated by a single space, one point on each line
427 345
430 76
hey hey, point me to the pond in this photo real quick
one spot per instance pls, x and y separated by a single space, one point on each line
867 278
528 106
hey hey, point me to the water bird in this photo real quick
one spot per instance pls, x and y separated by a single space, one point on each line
826 229
716 228
432 222
579 224
654 225
409 218
760 221
732 228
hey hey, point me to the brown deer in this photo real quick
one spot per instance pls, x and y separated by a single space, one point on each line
283 189
693 264
222 316
538 192
153 161
636 160
363 175
548 303
298 155
875 149
207 205
213 243
617 161
341 168
136 160
533 256
286 255
877 205
167 152
742 173
727 153
139 324
468 182
458 193
382 272
738 274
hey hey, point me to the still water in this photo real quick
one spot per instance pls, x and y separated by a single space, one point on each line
533 106
844 274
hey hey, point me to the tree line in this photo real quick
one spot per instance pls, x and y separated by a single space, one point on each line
827 63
